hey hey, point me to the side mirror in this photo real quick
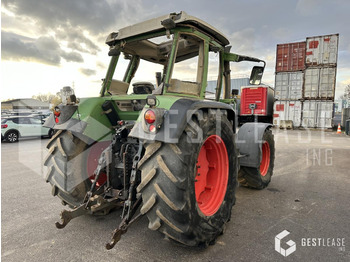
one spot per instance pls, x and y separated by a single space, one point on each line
256 75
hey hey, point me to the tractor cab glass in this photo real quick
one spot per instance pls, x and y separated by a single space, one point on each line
187 75
140 66
160 65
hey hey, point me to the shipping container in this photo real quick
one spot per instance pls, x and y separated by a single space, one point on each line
287 110
317 114
322 50
290 57
256 101
289 85
320 83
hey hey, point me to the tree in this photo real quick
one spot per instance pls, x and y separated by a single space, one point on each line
44 97
54 100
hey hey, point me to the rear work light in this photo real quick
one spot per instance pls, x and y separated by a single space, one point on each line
4 126
150 116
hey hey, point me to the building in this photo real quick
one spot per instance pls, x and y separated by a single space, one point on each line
24 105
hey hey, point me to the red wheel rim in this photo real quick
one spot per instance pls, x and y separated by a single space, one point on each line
265 158
94 154
212 175
101 179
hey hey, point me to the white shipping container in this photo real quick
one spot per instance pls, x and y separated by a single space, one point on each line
312 80
320 82
327 82
322 50
289 85
287 110
317 114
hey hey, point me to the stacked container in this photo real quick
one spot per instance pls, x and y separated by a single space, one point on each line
311 82
290 66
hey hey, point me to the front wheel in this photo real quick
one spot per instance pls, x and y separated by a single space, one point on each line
260 177
188 188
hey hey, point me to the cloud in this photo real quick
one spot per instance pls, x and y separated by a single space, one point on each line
16 47
101 65
92 15
87 71
76 39
44 49
72 57
243 41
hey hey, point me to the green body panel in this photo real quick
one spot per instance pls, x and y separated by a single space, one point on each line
90 111
98 126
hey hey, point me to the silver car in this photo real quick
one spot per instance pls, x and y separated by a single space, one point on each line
14 127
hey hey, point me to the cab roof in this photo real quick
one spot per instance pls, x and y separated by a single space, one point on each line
157 24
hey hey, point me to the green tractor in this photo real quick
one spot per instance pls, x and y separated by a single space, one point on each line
167 150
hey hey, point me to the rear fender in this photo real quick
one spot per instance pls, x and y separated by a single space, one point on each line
176 118
249 143
87 120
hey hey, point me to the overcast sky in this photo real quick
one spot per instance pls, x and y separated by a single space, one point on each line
48 44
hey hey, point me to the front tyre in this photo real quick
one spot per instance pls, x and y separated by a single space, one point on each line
188 188
260 177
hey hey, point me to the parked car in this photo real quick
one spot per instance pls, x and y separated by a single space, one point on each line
42 117
15 127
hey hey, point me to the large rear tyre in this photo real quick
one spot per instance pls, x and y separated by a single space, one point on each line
260 177
188 188
67 168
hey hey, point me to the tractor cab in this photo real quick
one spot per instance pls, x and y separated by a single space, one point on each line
185 52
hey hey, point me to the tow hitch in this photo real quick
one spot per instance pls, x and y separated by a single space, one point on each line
119 159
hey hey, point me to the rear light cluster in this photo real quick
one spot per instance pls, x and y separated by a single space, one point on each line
57 113
150 118
4 126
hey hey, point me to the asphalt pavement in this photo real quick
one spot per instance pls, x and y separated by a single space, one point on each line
308 197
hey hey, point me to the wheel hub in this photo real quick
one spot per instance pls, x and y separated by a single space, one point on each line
212 175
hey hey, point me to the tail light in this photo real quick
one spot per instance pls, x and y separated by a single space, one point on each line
150 117
153 119
4 126
57 113
152 128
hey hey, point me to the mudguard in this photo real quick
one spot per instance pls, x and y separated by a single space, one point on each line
87 121
176 118
249 143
